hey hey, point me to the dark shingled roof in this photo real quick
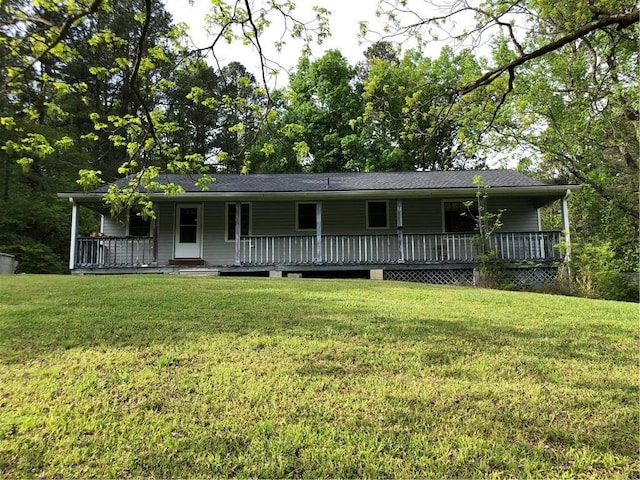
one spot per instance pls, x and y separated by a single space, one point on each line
376 181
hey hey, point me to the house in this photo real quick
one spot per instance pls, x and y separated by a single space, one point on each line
400 225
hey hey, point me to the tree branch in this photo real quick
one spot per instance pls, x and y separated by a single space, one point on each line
624 20
134 79
62 33
256 42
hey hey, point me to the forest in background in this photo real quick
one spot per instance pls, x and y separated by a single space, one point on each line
94 91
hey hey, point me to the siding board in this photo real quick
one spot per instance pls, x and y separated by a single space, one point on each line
520 214
165 214
113 228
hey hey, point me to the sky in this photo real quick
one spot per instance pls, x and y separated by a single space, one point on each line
344 21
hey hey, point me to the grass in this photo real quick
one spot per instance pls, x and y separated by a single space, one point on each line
162 376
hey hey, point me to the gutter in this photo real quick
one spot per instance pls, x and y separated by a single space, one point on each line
558 191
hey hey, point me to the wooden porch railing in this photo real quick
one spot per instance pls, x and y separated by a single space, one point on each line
278 250
461 248
99 252
303 250
413 248
387 248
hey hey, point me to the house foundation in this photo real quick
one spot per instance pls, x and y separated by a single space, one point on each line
376 274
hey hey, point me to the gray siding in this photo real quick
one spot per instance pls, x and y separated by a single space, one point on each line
165 216
113 228
350 218
422 215
520 214
216 250
273 218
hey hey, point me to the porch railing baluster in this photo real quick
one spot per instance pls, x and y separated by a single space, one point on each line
109 252
113 252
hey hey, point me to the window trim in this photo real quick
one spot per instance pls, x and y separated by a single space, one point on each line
226 221
298 229
369 227
443 212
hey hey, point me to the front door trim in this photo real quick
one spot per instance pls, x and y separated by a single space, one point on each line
188 249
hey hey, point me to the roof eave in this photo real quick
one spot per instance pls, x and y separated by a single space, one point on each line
558 191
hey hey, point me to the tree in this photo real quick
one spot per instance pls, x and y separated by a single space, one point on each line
49 99
560 93
218 113
313 129
36 36
582 127
112 100
530 30
408 122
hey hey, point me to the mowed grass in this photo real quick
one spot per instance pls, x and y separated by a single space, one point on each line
165 376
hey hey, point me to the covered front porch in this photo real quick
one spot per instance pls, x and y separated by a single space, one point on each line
257 234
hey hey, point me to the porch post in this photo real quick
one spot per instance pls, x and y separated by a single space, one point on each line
238 230
154 237
319 232
400 228
74 234
565 226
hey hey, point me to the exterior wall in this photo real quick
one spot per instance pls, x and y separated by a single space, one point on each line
113 228
520 215
339 217
350 218
216 249
165 213
273 218
422 215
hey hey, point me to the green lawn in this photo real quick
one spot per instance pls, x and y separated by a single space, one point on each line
166 376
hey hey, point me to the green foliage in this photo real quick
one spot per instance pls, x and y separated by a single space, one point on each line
382 115
403 125
313 126
559 93
32 256
218 113
486 222
194 377
99 88
34 224
596 273
108 89
575 110
490 271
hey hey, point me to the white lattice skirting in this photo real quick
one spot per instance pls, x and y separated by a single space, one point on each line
517 278
437 277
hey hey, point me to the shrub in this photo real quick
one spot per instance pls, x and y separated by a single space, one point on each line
492 272
32 256
596 273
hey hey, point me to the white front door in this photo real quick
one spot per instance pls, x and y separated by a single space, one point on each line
188 235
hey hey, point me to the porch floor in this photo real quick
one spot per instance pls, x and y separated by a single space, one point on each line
265 269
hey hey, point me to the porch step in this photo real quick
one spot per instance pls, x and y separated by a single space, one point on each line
202 272
187 262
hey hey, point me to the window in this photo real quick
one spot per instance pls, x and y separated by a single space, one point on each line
377 214
138 226
457 217
188 226
306 217
245 220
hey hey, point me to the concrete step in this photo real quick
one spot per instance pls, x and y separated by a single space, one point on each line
209 272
